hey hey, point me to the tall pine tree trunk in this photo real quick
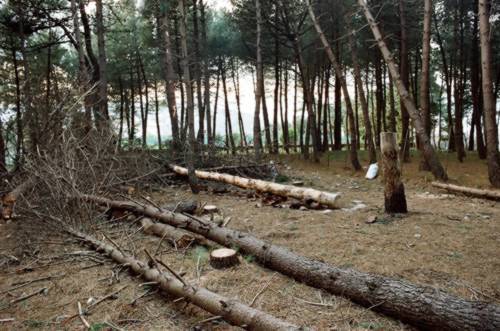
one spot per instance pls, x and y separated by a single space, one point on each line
491 128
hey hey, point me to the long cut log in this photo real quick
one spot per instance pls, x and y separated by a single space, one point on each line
422 306
485 194
301 193
232 311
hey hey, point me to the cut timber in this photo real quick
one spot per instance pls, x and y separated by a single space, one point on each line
422 306
224 258
479 193
230 310
307 194
394 190
176 237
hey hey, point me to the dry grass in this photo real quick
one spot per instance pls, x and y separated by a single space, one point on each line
450 242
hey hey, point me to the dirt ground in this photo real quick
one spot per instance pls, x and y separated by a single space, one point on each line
445 241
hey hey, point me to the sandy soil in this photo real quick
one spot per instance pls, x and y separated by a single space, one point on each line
446 241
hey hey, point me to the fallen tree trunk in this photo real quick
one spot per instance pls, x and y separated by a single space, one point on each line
232 311
475 192
176 237
306 194
422 306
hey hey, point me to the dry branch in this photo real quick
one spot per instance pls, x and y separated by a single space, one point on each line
422 306
305 194
230 310
475 192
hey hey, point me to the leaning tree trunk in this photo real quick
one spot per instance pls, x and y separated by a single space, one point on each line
488 98
425 307
427 150
338 71
306 194
232 311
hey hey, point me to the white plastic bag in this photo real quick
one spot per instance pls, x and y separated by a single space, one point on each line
372 172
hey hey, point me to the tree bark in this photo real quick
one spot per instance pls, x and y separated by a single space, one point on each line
493 157
404 72
230 310
394 192
206 73
427 150
422 306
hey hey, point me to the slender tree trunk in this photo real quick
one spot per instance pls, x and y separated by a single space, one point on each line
83 74
424 81
339 73
206 73
122 104
217 87
257 143
459 87
295 90
170 80
404 74
3 165
286 133
236 84
427 149
275 148
18 159
265 113
488 98
193 181
103 78
392 102
131 137
197 73
477 105
229 133
372 154
157 113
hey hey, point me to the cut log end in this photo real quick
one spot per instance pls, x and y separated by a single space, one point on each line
224 258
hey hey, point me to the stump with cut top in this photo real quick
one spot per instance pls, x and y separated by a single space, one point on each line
224 258
394 191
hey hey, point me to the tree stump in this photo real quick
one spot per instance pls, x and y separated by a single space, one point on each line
224 258
394 191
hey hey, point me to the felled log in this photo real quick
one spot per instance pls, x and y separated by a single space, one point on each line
306 194
9 199
422 306
176 237
475 192
224 258
232 311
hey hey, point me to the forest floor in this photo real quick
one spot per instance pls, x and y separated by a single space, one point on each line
446 241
